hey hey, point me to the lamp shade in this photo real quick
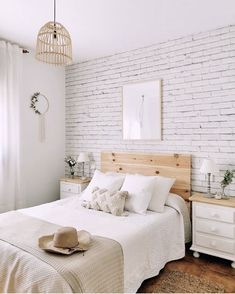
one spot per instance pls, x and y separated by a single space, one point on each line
54 44
83 157
209 166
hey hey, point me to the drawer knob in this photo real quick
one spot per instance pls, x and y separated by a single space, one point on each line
69 189
213 229
213 243
214 214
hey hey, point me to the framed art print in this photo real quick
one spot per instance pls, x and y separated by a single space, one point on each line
142 111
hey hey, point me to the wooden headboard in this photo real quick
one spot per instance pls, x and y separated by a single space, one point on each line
176 166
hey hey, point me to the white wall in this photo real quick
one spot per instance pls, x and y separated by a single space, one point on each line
198 103
42 164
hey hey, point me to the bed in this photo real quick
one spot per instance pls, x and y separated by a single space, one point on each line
148 241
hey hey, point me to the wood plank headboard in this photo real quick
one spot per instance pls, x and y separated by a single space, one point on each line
176 166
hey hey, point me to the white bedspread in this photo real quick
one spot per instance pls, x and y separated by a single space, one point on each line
148 241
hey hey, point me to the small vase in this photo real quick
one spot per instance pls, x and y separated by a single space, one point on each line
72 172
223 194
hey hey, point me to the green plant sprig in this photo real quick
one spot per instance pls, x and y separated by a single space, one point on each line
34 100
228 178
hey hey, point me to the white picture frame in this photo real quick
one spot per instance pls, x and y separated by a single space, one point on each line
141 117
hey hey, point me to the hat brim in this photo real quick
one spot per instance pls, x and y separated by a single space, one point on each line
46 243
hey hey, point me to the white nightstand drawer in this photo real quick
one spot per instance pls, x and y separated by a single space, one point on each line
214 212
70 188
215 228
214 243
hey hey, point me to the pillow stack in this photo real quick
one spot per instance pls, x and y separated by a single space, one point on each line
146 192
114 192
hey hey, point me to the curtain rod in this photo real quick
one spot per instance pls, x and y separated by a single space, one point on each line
23 49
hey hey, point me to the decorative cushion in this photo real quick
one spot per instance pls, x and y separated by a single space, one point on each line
110 181
140 189
107 201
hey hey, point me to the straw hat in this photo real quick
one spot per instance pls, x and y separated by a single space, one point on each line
66 240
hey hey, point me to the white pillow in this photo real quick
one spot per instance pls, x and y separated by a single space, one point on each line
112 182
140 189
161 192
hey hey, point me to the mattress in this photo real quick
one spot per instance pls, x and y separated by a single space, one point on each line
148 241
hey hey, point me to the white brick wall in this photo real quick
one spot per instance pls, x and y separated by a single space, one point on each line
198 103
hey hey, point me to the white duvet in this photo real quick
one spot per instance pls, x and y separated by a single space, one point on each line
148 241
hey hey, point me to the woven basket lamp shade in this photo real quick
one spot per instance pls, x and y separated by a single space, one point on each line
54 44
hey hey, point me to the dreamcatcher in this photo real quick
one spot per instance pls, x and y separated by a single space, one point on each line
40 105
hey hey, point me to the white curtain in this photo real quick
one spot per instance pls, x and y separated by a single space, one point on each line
10 75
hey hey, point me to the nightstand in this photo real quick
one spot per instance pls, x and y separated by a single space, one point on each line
72 187
213 227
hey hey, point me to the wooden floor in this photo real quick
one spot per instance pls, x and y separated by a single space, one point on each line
207 267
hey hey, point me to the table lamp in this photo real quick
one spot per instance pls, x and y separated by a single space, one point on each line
209 167
82 158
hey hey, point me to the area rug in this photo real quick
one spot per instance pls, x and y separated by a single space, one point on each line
180 282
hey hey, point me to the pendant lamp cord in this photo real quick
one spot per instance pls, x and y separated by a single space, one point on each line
55 19
54 11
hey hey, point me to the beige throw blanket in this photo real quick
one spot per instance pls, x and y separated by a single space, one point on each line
100 269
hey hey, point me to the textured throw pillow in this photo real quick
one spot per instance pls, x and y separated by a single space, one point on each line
110 181
107 201
140 189
161 192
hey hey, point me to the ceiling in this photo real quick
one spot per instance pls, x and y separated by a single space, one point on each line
105 27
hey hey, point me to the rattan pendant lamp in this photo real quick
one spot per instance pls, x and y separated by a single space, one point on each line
54 44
